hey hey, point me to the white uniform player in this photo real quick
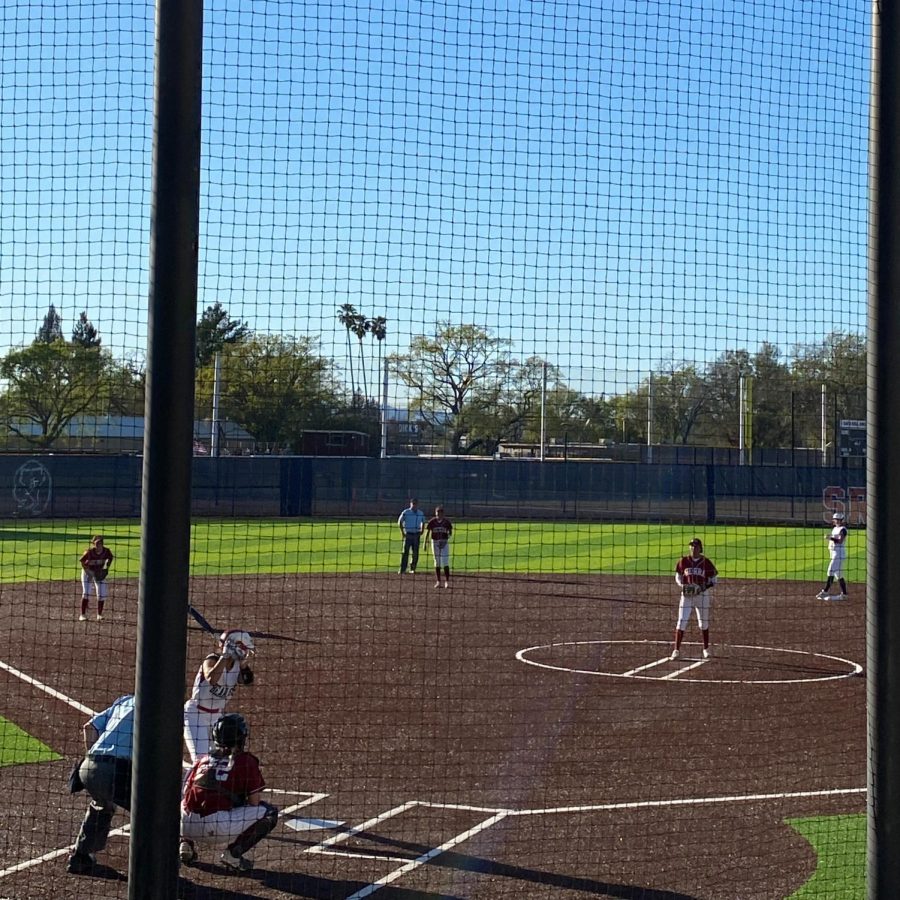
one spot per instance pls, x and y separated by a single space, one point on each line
837 547
215 684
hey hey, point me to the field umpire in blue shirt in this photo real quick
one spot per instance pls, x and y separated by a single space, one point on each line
412 524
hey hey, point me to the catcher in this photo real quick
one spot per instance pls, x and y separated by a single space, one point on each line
695 575
221 804
95 563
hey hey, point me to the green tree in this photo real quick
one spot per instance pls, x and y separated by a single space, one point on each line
453 377
274 386
126 382
838 363
84 332
48 385
679 396
215 331
51 328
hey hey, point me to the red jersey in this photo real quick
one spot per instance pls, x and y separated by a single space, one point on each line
696 571
439 528
221 782
94 560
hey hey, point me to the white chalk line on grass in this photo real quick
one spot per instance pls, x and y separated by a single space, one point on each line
46 689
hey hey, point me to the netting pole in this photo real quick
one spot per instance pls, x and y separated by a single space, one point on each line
883 465
168 446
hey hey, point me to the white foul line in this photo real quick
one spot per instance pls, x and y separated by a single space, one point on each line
501 814
426 857
47 690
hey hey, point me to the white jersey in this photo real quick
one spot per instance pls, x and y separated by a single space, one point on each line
839 532
211 698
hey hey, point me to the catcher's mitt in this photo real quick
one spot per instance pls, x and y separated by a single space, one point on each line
100 574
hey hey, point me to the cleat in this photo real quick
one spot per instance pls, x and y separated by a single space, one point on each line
446 584
401 571
238 863
844 597
707 653
186 852
437 584
82 618
99 617
822 596
412 571
675 654
81 863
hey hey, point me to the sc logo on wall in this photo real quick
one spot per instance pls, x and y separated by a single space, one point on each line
851 502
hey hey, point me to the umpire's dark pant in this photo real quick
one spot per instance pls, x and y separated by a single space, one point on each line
108 780
410 543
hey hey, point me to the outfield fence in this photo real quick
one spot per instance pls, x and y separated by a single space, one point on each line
78 486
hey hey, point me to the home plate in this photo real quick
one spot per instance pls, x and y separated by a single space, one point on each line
311 824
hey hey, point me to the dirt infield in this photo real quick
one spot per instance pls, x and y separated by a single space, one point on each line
509 737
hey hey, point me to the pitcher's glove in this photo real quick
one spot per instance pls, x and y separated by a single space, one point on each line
245 676
100 574
691 590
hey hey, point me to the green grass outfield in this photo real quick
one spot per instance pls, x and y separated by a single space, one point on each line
48 550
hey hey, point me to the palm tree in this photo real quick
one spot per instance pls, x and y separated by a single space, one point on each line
378 329
360 327
347 316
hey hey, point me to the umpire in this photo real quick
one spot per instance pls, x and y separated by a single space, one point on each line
105 773
412 524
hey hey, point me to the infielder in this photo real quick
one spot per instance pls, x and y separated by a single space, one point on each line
411 522
95 563
837 546
215 684
221 800
439 528
695 575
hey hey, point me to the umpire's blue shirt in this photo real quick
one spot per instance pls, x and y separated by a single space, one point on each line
116 729
412 520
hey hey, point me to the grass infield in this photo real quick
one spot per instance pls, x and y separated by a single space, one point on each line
840 844
18 747
48 550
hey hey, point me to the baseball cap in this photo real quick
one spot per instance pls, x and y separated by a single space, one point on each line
696 542
838 516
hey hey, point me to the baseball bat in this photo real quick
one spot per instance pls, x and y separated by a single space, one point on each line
200 620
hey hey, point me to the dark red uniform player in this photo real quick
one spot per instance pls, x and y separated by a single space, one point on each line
695 575
439 529
95 563
221 801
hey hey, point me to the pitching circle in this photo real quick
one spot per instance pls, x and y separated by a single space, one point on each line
853 668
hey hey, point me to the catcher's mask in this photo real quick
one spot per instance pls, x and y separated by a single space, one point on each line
242 638
230 731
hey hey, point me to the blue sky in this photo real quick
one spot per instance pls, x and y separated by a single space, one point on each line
607 184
